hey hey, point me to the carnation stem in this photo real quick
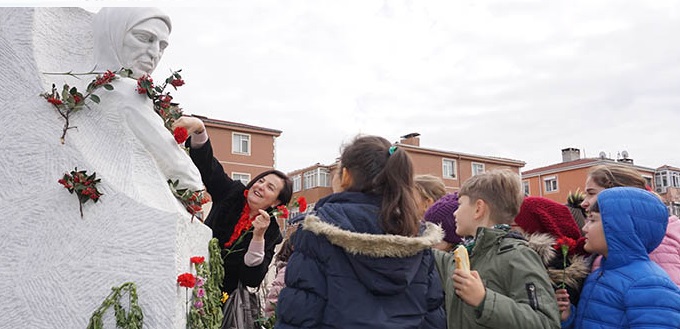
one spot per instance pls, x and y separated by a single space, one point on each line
186 306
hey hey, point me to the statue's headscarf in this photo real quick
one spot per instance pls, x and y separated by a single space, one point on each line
110 25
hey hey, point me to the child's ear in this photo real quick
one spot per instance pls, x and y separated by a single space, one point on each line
480 209
346 179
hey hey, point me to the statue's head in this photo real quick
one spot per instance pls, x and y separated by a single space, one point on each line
133 38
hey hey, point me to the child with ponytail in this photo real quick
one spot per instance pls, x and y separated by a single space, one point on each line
363 258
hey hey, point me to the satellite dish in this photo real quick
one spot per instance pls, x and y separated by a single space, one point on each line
603 155
624 154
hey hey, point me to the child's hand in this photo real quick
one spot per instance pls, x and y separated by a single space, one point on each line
469 287
260 225
563 303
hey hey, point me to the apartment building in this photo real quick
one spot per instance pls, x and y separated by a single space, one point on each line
314 182
243 150
557 180
667 185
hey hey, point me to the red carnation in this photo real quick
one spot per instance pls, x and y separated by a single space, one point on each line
180 134
65 183
197 259
144 83
205 199
565 242
186 280
194 208
302 204
54 101
283 211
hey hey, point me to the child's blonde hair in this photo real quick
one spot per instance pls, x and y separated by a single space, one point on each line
500 189
430 187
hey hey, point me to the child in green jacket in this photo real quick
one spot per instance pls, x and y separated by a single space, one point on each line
507 287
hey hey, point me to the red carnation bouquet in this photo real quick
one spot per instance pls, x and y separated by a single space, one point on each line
70 100
83 185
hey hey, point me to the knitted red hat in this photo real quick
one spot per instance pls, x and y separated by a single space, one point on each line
542 215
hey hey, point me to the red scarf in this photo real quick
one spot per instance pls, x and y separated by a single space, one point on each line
245 222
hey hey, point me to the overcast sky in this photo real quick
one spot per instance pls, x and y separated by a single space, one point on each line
512 79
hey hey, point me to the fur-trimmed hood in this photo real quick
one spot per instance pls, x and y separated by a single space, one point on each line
578 266
375 245
346 230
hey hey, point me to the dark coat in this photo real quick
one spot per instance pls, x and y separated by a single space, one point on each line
228 202
345 272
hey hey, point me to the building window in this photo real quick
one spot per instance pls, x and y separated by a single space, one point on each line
550 184
319 177
660 179
675 179
240 143
324 177
449 168
310 179
525 187
477 168
297 183
648 180
244 178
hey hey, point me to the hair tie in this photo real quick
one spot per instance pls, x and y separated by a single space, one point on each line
392 149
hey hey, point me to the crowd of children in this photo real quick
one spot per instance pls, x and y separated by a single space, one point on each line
377 253
355 266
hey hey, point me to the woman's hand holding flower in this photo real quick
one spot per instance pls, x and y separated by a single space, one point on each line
193 125
260 225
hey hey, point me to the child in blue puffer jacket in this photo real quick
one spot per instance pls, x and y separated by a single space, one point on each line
628 290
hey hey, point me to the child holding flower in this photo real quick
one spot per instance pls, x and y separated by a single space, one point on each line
552 232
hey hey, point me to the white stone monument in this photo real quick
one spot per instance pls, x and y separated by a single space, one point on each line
57 267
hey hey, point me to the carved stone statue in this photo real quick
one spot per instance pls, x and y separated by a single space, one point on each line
135 38
63 265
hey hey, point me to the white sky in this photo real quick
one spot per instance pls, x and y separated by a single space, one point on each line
513 79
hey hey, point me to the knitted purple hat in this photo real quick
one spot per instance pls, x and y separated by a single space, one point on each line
441 213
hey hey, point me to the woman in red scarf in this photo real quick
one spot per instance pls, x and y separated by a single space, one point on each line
237 208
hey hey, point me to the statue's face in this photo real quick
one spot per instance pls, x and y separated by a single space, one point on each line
143 46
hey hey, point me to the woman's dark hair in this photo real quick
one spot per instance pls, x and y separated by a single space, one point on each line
286 191
377 167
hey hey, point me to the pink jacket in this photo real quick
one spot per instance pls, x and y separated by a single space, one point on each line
667 254
275 289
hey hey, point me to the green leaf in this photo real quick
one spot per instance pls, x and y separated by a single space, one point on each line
95 98
64 92
108 87
73 91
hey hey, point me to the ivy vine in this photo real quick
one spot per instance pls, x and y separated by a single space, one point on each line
132 319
